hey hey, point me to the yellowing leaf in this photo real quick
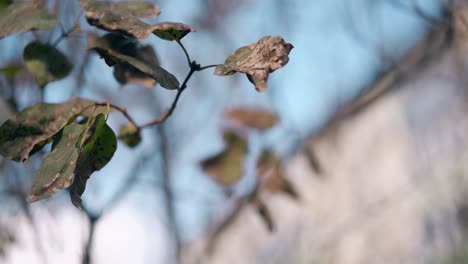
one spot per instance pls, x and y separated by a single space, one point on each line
113 55
35 124
226 167
258 119
24 16
257 60
46 63
172 31
56 170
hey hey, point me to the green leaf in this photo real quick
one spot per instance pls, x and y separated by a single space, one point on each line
56 170
130 135
121 18
257 60
105 47
226 167
172 31
97 146
24 16
37 123
253 118
46 63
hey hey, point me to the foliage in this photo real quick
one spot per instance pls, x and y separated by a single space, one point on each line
20 17
82 141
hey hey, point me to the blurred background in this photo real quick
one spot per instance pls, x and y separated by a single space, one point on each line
373 141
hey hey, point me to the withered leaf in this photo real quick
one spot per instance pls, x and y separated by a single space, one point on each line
24 16
134 8
257 60
112 53
97 144
226 167
56 170
172 31
253 118
270 169
121 17
35 124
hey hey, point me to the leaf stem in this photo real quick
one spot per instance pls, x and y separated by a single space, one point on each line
161 118
185 52
194 67
122 110
207 66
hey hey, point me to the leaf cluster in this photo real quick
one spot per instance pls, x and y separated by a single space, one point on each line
82 141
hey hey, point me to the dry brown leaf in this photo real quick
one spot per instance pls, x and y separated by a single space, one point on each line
258 118
257 60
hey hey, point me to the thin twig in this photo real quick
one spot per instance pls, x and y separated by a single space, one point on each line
122 110
189 61
207 66
193 68
67 33
168 193
93 218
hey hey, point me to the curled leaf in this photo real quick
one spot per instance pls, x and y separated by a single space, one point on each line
130 135
226 167
24 16
35 124
257 60
126 73
258 119
97 144
116 54
46 63
56 170
172 31
122 17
